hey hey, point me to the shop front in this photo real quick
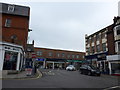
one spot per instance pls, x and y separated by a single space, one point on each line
114 64
55 63
12 56
99 60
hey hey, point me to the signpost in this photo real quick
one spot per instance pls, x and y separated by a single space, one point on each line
33 59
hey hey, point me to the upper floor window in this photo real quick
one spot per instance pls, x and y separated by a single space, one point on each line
63 55
58 55
97 37
39 53
93 49
104 46
92 39
50 54
8 23
11 8
77 56
68 56
103 35
73 56
118 32
98 48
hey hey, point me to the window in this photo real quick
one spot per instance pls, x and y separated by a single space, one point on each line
10 60
118 46
92 39
73 56
77 56
88 50
104 46
98 48
11 8
63 55
103 35
50 53
93 49
39 53
118 32
58 55
8 23
97 37
68 56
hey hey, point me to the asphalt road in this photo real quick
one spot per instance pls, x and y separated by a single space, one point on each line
63 79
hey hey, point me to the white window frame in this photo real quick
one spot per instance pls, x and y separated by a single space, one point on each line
11 8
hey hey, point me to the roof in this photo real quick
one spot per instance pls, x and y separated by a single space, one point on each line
102 30
17 9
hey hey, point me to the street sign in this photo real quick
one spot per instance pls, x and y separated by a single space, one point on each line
40 59
33 55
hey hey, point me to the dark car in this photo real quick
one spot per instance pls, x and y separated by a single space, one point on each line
89 70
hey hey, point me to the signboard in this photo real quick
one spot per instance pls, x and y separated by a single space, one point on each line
40 59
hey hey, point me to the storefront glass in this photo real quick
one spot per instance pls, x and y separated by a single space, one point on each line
10 60
115 68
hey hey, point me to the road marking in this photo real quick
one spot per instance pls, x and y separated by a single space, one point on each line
112 88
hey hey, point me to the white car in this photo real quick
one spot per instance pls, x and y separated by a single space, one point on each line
70 68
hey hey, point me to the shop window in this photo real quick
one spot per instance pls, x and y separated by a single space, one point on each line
115 68
10 60
118 46
8 23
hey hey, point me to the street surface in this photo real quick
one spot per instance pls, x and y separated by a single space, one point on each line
63 79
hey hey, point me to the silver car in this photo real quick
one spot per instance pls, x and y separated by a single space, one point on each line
70 68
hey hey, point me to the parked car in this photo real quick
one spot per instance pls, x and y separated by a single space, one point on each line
70 68
89 70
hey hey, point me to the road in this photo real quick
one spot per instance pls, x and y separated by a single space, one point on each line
63 79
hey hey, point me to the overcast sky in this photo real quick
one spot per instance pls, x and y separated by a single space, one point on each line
63 25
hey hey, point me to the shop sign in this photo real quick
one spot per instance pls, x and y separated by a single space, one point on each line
40 59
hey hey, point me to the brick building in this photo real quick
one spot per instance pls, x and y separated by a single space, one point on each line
98 46
14 28
114 60
15 23
54 58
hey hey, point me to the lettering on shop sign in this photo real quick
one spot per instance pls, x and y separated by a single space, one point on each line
12 48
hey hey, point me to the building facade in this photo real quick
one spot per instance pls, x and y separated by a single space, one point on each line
14 28
98 46
53 58
114 60
15 23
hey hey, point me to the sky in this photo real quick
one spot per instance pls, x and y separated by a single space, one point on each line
59 24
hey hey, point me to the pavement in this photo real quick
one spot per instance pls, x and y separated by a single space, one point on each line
23 75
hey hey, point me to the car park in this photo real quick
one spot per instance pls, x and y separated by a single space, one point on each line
70 68
89 70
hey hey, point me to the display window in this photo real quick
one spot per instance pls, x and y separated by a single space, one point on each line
10 60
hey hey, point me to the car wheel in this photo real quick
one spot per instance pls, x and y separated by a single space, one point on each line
89 73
